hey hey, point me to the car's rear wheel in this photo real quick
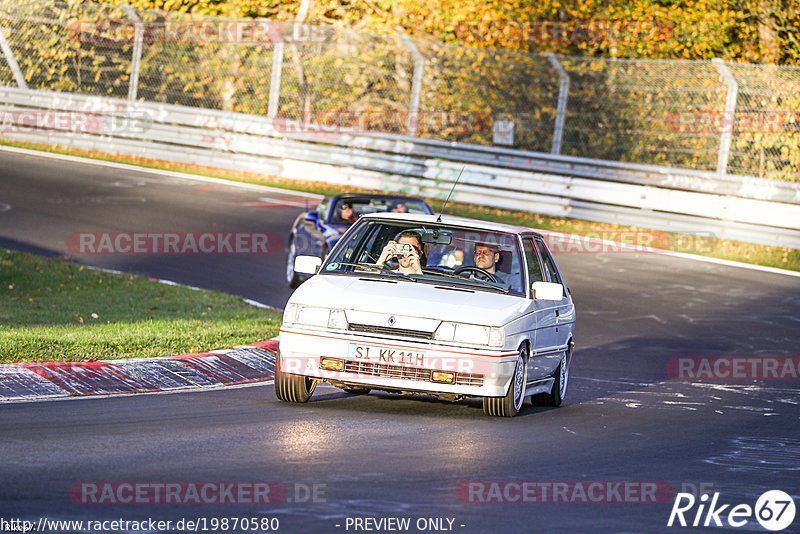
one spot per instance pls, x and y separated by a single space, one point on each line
291 277
559 391
511 403
290 387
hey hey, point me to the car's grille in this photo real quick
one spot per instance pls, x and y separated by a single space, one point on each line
408 373
389 331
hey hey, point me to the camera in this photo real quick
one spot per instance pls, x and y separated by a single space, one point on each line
403 249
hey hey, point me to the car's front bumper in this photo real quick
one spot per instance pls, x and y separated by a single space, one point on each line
394 364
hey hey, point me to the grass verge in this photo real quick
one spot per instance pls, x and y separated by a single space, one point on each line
780 257
55 310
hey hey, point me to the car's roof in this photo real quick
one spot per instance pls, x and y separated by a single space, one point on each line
454 221
375 195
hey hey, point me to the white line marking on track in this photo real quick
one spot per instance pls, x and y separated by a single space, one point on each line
172 174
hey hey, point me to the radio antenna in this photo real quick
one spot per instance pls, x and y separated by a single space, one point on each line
439 218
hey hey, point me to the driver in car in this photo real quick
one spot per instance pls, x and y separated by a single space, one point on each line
407 248
346 214
487 257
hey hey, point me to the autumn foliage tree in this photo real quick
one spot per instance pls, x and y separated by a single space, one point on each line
761 31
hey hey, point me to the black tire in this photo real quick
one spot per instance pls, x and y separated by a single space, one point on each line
292 278
559 391
511 403
356 390
290 387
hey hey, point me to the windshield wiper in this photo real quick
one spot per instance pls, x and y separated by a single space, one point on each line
488 284
379 269
469 280
361 265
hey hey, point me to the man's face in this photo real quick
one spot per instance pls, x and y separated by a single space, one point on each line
405 261
346 212
400 208
485 258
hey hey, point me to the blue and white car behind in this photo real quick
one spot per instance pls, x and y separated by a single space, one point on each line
315 233
454 331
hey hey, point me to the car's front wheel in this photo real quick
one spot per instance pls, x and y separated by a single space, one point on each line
511 403
291 277
290 387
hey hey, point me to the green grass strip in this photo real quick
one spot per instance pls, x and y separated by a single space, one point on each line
56 310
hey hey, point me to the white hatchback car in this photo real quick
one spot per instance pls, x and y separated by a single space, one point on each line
456 308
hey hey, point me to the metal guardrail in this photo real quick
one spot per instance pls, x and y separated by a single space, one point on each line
733 207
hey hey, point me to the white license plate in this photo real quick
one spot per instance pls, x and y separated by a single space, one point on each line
386 355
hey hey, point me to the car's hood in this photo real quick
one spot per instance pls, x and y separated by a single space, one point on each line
416 299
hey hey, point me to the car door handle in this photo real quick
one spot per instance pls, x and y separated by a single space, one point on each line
556 313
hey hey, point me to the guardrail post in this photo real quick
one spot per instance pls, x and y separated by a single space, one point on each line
275 80
412 123
728 119
11 60
563 95
136 56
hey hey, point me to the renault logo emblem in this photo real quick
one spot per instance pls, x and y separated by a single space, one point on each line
392 320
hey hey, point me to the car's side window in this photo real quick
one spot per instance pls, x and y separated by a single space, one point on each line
354 244
532 259
549 266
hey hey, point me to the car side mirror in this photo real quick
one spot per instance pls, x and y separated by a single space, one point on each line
546 291
312 216
307 264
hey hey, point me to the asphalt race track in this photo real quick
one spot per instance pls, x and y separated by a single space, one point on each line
51 200
631 435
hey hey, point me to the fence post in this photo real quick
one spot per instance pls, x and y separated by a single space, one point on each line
11 60
136 57
412 123
275 80
727 120
563 95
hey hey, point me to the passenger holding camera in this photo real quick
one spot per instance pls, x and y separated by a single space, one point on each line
407 248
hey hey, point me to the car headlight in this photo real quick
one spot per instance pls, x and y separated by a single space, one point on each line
315 316
469 333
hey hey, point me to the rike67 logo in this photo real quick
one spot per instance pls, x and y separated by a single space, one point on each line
774 510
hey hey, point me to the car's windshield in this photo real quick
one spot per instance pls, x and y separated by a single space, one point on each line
446 255
348 209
